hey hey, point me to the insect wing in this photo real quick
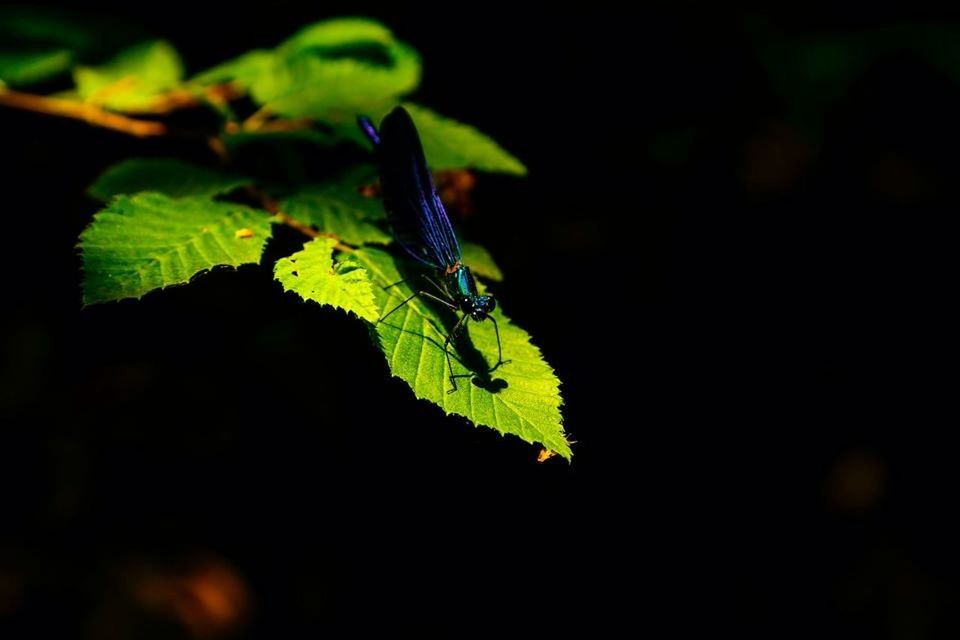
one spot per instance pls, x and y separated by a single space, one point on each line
413 207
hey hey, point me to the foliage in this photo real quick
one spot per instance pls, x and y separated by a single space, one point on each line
169 176
165 221
521 398
20 68
134 79
149 241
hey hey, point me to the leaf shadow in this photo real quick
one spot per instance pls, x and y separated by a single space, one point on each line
462 349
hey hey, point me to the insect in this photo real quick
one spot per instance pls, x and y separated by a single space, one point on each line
421 226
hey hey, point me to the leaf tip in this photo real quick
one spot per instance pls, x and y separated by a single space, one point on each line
516 168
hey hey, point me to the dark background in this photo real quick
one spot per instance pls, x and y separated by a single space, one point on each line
738 270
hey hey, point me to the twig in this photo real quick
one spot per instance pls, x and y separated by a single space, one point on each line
305 229
182 99
264 121
271 205
283 125
91 114
99 117
257 119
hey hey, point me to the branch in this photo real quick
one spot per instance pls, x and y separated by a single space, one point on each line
271 205
98 117
264 121
218 94
88 113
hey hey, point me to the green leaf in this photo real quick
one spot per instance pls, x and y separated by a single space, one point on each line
313 275
480 261
449 144
330 70
335 90
340 35
528 406
134 79
338 68
168 176
242 71
148 241
337 207
22 68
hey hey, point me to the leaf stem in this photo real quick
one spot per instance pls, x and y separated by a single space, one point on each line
91 114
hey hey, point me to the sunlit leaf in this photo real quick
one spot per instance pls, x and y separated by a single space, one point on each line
341 37
149 241
449 144
243 70
134 79
523 396
330 70
313 275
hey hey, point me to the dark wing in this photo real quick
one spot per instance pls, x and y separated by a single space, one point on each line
419 221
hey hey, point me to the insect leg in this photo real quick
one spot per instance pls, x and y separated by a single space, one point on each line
446 303
411 297
446 352
387 315
500 359
391 286
436 286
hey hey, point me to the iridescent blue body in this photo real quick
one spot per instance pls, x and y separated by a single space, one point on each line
421 225
459 284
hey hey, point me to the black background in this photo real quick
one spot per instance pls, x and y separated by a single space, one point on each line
748 332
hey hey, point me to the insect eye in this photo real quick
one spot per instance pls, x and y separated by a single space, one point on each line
491 303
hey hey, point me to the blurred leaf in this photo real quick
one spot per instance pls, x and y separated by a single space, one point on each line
480 261
43 28
330 70
18 68
313 275
149 241
940 45
243 70
340 36
449 144
337 207
168 176
336 69
523 398
813 72
134 79
333 71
